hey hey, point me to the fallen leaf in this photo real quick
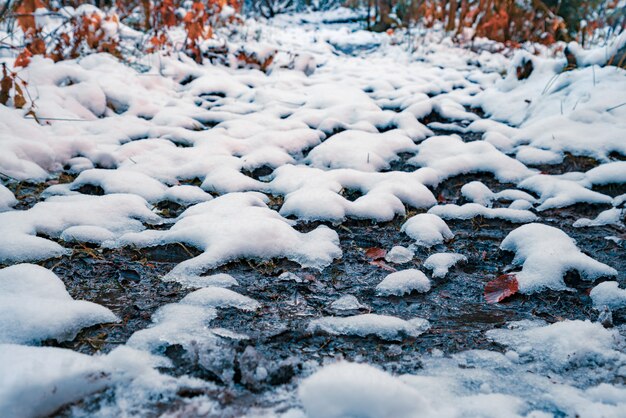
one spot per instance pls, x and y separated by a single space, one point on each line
501 288
375 253
382 265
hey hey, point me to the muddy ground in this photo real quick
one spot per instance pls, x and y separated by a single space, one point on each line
128 281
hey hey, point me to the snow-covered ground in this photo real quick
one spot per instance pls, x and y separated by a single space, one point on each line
348 130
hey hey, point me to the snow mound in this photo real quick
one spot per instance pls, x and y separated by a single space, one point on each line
71 218
546 254
314 194
472 210
34 306
608 294
37 381
440 263
7 199
360 150
614 172
427 229
612 216
239 225
562 344
559 191
383 326
399 255
450 156
358 390
403 282
478 192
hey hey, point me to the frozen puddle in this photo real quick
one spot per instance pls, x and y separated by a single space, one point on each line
315 241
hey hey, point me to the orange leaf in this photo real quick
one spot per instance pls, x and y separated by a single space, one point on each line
23 59
375 253
382 265
501 288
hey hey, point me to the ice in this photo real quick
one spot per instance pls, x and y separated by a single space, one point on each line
239 225
546 254
383 326
7 200
217 280
100 218
218 297
187 325
427 229
347 303
34 306
608 294
403 282
440 263
37 381
399 255
472 210
562 344
360 150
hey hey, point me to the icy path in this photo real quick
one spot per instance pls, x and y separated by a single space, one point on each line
208 231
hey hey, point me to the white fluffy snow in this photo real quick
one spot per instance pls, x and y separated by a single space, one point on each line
546 254
34 306
239 225
608 294
7 199
427 229
472 210
440 263
403 282
399 255
383 326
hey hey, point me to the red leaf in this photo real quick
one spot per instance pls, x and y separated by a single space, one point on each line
375 253
501 288
382 265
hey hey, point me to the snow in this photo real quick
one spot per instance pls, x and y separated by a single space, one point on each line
399 255
546 254
7 199
403 282
359 150
427 229
559 191
440 263
107 217
318 143
450 156
562 344
383 326
472 210
349 389
608 294
238 225
35 306
347 303
37 381
612 216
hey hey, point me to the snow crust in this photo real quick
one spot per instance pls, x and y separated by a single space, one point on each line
383 326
